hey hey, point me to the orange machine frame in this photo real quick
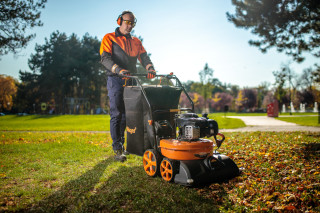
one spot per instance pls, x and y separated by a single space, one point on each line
186 150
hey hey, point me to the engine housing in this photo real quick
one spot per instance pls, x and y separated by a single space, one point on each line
192 127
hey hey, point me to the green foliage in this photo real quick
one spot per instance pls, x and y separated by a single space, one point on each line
288 87
316 74
74 172
281 78
203 89
16 17
63 67
187 85
262 92
206 74
205 86
291 26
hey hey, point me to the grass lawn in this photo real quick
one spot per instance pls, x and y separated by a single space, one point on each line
237 114
304 121
75 172
299 113
81 122
56 122
260 114
227 123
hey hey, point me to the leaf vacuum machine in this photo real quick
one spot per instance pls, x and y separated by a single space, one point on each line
171 139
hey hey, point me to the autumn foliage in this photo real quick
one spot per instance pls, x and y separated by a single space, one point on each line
281 171
8 89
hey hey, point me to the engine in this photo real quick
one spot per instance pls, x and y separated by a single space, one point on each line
191 127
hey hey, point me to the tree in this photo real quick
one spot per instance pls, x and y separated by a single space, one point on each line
285 75
240 100
221 100
251 98
196 99
267 99
280 80
206 74
27 93
316 74
8 89
306 97
16 17
246 99
262 90
308 84
289 25
218 86
307 78
187 85
205 87
233 90
64 68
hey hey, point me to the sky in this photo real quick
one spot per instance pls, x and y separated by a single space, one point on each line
181 35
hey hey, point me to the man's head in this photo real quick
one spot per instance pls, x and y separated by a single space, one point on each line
127 21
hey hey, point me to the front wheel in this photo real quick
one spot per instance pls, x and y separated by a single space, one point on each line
151 161
167 169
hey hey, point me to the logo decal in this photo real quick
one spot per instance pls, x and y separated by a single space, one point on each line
131 131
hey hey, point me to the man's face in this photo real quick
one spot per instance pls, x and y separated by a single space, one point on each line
127 23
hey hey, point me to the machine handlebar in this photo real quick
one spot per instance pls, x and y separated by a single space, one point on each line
168 76
145 75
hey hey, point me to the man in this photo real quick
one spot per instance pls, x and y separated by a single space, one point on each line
119 53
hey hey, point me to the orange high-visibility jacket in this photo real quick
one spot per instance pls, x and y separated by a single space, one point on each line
120 52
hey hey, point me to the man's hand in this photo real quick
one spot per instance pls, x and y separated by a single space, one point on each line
151 74
124 72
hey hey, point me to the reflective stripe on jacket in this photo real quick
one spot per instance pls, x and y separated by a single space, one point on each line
120 52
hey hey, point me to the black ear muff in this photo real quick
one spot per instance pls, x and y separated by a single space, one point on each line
119 20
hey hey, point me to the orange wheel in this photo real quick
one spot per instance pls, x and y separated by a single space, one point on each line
151 162
167 170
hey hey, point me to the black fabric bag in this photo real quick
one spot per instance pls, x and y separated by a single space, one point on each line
140 128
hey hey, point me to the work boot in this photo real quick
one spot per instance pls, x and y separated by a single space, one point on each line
124 151
119 156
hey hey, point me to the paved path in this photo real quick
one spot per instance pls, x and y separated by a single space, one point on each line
264 123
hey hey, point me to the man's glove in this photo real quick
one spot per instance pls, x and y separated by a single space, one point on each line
124 72
151 74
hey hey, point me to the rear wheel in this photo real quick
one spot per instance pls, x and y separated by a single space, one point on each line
167 169
151 161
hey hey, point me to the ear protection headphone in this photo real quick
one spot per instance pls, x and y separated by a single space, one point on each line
120 19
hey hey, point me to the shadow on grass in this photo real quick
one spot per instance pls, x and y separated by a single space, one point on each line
128 189
131 190
311 151
34 117
72 194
